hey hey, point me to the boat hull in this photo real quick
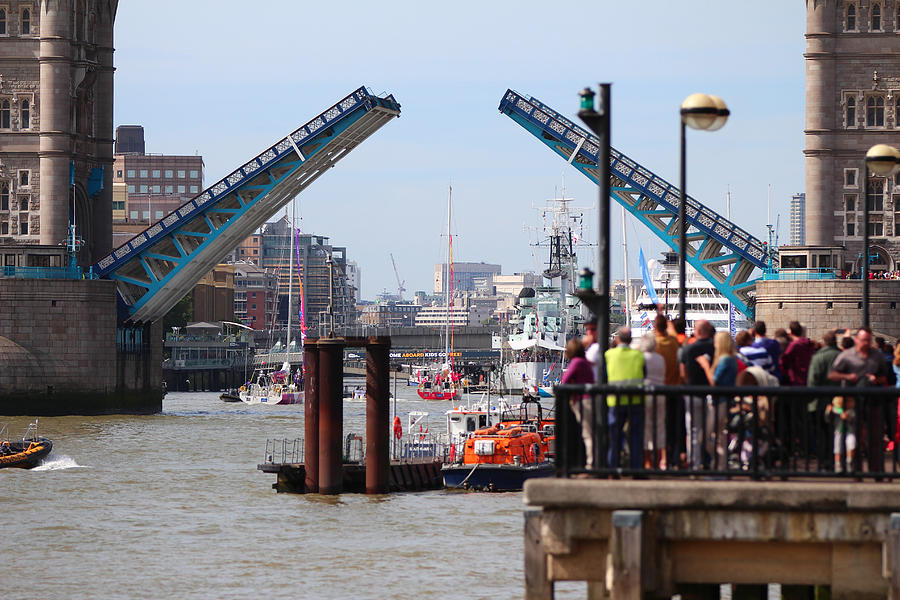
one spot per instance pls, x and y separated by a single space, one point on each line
431 395
494 477
277 399
26 455
516 375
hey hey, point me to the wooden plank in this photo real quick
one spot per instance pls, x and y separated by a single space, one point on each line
760 562
892 563
537 584
587 562
626 550
856 572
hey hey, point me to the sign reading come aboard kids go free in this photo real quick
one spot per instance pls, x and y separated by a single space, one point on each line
456 354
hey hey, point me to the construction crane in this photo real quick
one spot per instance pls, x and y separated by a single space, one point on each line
400 288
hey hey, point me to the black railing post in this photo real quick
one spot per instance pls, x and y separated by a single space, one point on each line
563 436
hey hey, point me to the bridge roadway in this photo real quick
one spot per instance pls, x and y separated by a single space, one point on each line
412 345
157 267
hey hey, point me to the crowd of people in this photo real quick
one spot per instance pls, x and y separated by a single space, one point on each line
872 275
700 430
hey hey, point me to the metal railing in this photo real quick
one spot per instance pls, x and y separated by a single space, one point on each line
789 274
411 447
46 273
725 432
284 451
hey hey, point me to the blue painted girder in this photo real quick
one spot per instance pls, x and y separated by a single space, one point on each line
726 255
157 267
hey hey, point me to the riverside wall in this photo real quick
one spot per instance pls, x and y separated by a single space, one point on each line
829 304
60 354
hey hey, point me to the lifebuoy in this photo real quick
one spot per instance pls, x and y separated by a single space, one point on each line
398 428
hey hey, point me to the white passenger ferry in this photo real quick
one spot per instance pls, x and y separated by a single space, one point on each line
704 301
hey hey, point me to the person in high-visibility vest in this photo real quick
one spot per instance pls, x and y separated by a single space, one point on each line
625 365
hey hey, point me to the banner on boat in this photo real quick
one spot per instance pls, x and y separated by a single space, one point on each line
645 275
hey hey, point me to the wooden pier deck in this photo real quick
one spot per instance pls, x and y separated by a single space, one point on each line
633 540
406 476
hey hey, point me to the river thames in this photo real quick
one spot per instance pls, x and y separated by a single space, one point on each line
172 505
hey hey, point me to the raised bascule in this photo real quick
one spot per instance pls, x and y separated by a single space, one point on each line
729 257
157 267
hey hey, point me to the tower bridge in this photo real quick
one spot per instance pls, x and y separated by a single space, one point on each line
158 266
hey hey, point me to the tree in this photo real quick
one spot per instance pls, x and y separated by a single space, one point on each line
179 315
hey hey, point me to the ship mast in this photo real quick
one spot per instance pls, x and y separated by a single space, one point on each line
448 298
287 348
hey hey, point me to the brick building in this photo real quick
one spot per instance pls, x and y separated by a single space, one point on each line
255 295
852 103
147 187
213 296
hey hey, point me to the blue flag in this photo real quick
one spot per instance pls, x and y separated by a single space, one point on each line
645 275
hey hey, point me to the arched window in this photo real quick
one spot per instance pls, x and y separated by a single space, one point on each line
4 113
851 110
26 114
851 17
875 111
26 21
4 195
876 17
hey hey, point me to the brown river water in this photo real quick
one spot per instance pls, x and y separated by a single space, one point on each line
172 506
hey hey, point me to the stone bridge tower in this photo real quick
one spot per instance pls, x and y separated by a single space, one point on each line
852 103
56 128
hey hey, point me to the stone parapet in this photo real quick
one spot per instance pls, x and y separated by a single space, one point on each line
653 539
822 305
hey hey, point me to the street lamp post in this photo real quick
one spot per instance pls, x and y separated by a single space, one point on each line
883 161
698 111
599 122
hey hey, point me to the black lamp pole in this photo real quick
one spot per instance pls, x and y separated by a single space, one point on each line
599 122
865 252
682 227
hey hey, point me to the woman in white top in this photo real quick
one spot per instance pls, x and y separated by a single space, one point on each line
655 406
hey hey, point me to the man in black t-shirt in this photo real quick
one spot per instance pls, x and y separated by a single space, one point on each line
691 371
693 374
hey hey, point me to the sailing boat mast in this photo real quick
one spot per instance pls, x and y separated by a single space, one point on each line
449 287
287 350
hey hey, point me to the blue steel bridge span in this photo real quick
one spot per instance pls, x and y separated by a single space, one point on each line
157 267
729 257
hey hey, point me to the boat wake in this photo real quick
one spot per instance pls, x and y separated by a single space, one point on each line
58 463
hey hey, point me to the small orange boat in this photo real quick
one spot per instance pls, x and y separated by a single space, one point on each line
503 456
26 454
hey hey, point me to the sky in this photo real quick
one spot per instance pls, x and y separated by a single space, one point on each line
226 80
